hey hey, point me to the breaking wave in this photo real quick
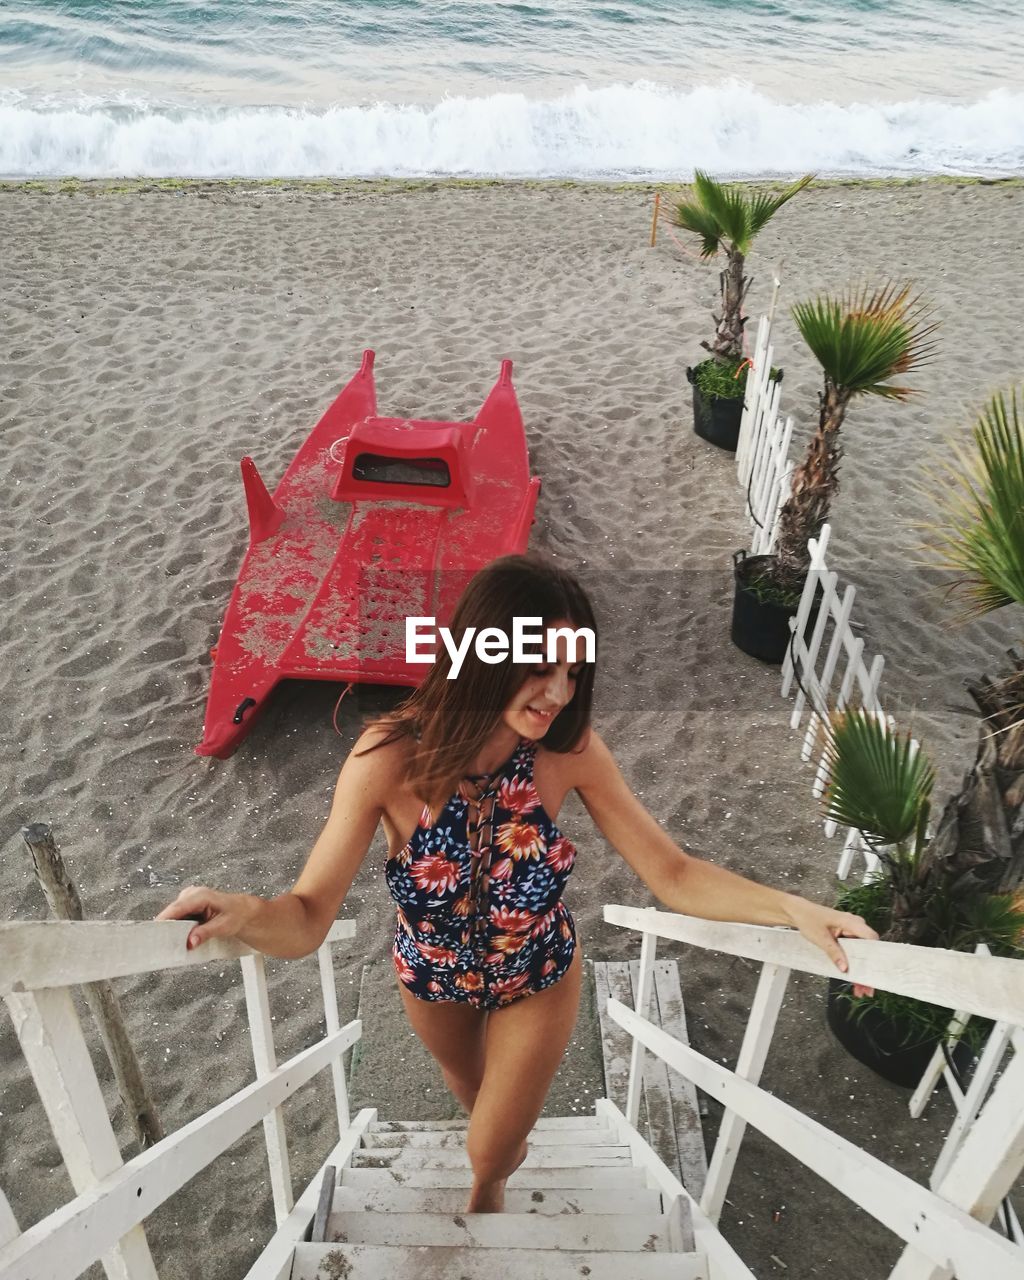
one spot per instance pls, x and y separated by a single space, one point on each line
642 130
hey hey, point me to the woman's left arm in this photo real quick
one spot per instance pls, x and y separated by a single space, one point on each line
688 884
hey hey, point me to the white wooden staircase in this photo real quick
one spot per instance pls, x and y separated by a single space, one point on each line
578 1206
593 1199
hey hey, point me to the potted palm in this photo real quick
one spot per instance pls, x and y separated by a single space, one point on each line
922 893
862 341
964 884
726 218
979 536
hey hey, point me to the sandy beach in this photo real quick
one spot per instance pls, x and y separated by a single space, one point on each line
154 334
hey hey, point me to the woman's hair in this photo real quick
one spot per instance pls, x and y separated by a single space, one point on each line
448 721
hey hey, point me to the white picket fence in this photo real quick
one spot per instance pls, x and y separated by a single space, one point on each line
943 1229
968 1102
828 670
827 665
39 963
763 464
830 675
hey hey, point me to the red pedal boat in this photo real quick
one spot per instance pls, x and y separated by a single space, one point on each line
376 519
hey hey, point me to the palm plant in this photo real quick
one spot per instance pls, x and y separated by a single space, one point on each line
962 885
980 537
862 341
924 893
727 217
880 783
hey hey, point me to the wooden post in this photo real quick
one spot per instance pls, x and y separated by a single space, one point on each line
261 1031
8 1222
642 1000
52 1041
65 904
654 220
982 1172
753 408
776 286
757 1039
325 961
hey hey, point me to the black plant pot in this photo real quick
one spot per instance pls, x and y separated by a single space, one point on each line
891 1047
714 419
760 628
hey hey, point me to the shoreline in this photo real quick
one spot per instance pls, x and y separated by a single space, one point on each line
402 186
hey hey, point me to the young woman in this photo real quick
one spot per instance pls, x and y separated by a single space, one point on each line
477 768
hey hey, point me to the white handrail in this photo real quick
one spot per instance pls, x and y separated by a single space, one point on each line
60 953
937 1226
944 1234
990 986
275 1262
723 1261
39 961
74 1236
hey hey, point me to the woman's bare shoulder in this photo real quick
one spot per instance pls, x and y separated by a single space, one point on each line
576 765
376 733
373 753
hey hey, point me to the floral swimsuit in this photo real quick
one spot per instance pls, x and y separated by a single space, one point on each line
482 921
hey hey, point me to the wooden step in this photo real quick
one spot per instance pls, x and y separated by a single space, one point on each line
522 1200
545 1122
563 1156
613 1175
648 1231
427 1262
455 1138
669 1108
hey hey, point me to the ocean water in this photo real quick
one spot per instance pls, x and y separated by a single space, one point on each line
563 88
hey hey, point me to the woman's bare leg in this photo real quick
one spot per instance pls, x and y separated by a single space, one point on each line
454 1035
524 1043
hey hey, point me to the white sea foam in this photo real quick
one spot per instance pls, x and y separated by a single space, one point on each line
638 130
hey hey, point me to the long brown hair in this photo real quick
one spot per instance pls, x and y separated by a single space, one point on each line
448 721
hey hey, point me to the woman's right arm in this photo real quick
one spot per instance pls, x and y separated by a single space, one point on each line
295 923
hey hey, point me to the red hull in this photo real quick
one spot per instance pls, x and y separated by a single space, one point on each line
376 519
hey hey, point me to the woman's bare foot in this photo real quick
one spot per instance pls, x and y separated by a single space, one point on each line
489 1197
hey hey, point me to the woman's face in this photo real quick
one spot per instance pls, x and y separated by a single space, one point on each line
549 687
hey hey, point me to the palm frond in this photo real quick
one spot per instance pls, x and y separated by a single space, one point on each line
694 217
866 338
980 532
996 919
879 782
726 215
728 205
764 207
